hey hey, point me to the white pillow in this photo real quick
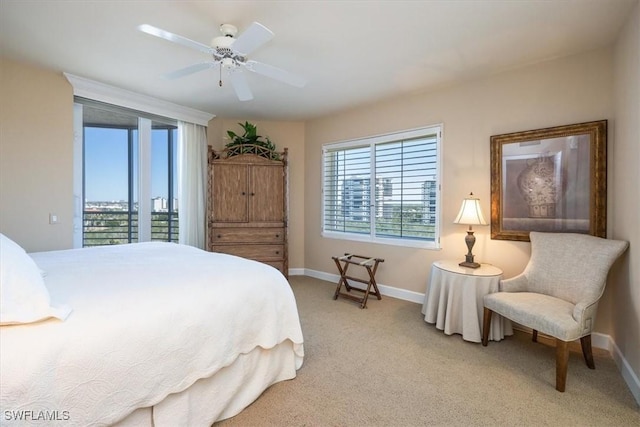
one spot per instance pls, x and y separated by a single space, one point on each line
24 297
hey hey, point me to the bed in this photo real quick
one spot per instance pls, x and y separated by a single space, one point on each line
142 334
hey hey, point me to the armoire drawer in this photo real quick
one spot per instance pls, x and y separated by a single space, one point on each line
278 265
256 252
246 235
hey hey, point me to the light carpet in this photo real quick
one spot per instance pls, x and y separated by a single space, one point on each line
384 366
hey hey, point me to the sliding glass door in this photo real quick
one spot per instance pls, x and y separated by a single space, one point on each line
129 180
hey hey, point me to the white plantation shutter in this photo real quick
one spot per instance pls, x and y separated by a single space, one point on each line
346 188
405 178
384 188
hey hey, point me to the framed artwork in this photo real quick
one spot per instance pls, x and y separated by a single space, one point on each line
551 179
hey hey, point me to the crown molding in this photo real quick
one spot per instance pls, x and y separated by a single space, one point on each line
102 92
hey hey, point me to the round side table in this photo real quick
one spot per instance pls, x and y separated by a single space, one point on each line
454 300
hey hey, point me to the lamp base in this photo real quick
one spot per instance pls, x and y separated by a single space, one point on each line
469 264
470 240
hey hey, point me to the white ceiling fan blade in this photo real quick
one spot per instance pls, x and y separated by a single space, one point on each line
276 73
190 70
150 29
240 85
252 38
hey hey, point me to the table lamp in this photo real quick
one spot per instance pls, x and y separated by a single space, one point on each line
470 214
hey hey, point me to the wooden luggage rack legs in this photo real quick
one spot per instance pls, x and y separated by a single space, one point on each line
370 264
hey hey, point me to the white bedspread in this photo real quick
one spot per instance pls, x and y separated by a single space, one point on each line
148 320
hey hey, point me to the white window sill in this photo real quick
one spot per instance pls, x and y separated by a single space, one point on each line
409 243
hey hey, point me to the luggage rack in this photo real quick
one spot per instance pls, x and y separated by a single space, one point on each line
370 264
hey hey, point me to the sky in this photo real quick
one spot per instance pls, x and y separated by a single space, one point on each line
106 164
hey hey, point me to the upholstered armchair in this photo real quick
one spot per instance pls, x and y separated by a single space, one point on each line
558 292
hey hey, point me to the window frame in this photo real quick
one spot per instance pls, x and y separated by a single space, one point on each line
112 95
139 168
172 160
371 142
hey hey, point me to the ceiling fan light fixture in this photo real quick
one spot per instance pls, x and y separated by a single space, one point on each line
222 42
228 63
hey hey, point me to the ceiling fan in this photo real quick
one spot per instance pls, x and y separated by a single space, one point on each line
230 55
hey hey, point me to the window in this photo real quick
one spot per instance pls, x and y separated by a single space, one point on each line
164 183
147 114
383 189
129 176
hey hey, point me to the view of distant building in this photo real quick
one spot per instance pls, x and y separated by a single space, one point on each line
384 194
429 192
356 200
158 204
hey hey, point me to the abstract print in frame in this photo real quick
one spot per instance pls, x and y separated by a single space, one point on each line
551 179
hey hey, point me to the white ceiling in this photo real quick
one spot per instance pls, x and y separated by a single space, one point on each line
351 52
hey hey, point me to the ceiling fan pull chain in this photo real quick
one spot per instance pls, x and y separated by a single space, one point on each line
220 81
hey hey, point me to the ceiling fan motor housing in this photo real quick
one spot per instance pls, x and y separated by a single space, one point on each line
223 47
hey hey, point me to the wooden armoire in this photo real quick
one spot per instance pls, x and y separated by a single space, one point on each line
247 204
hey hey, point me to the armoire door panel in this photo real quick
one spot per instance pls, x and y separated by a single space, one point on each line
266 202
230 193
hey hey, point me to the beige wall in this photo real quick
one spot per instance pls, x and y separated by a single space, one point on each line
36 154
282 134
624 286
564 91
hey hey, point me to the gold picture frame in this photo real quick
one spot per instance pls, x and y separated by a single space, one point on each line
552 179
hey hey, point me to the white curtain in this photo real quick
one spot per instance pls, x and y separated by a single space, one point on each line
192 184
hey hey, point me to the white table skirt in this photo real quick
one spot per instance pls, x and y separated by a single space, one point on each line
454 302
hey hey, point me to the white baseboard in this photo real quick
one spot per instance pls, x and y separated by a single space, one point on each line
390 291
629 376
296 272
598 340
602 341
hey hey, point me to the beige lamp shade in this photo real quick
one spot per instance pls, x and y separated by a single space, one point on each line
470 212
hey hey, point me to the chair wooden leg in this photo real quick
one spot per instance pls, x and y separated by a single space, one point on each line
562 360
534 337
486 325
585 342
